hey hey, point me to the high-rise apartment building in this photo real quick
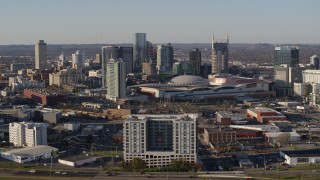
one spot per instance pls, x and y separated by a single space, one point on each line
139 50
286 55
27 134
78 60
159 139
164 58
116 79
220 55
40 55
195 60
116 52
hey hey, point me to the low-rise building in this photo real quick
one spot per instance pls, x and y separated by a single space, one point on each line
92 105
297 157
226 117
43 96
28 154
52 116
71 126
219 135
263 128
77 160
282 137
92 130
264 115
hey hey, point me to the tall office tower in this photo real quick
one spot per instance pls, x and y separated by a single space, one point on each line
28 134
116 79
220 55
115 52
78 60
164 58
126 54
315 61
195 60
139 51
150 53
40 55
159 138
286 55
284 79
62 59
98 58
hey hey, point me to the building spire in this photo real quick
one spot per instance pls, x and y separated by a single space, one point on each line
212 40
227 38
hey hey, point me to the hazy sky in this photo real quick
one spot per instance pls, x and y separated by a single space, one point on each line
176 21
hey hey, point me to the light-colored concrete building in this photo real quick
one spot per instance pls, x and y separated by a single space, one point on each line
311 76
77 160
116 79
71 126
78 60
52 116
298 157
28 134
28 154
159 139
40 57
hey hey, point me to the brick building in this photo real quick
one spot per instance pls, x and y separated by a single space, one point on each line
43 96
219 135
264 115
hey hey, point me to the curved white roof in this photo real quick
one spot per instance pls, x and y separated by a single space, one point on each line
189 79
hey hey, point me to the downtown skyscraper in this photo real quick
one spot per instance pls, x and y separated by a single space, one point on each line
220 55
195 60
40 55
116 52
139 50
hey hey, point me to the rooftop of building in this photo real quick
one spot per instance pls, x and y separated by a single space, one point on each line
214 129
311 71
188 80
27 151
79 157
45 91
262 109
303 153
276 134
191 117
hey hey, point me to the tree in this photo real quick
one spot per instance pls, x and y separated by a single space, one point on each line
89 139
180 164
137 163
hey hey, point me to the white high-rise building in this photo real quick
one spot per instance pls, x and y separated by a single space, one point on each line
78 60
40 55
27 134
116 79
159 139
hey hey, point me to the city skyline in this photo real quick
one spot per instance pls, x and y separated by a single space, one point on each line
88 22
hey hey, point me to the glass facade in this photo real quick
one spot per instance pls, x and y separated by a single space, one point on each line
159 136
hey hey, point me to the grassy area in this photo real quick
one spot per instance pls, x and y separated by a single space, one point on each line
109 153
18 166
294 147
292 176
306 167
